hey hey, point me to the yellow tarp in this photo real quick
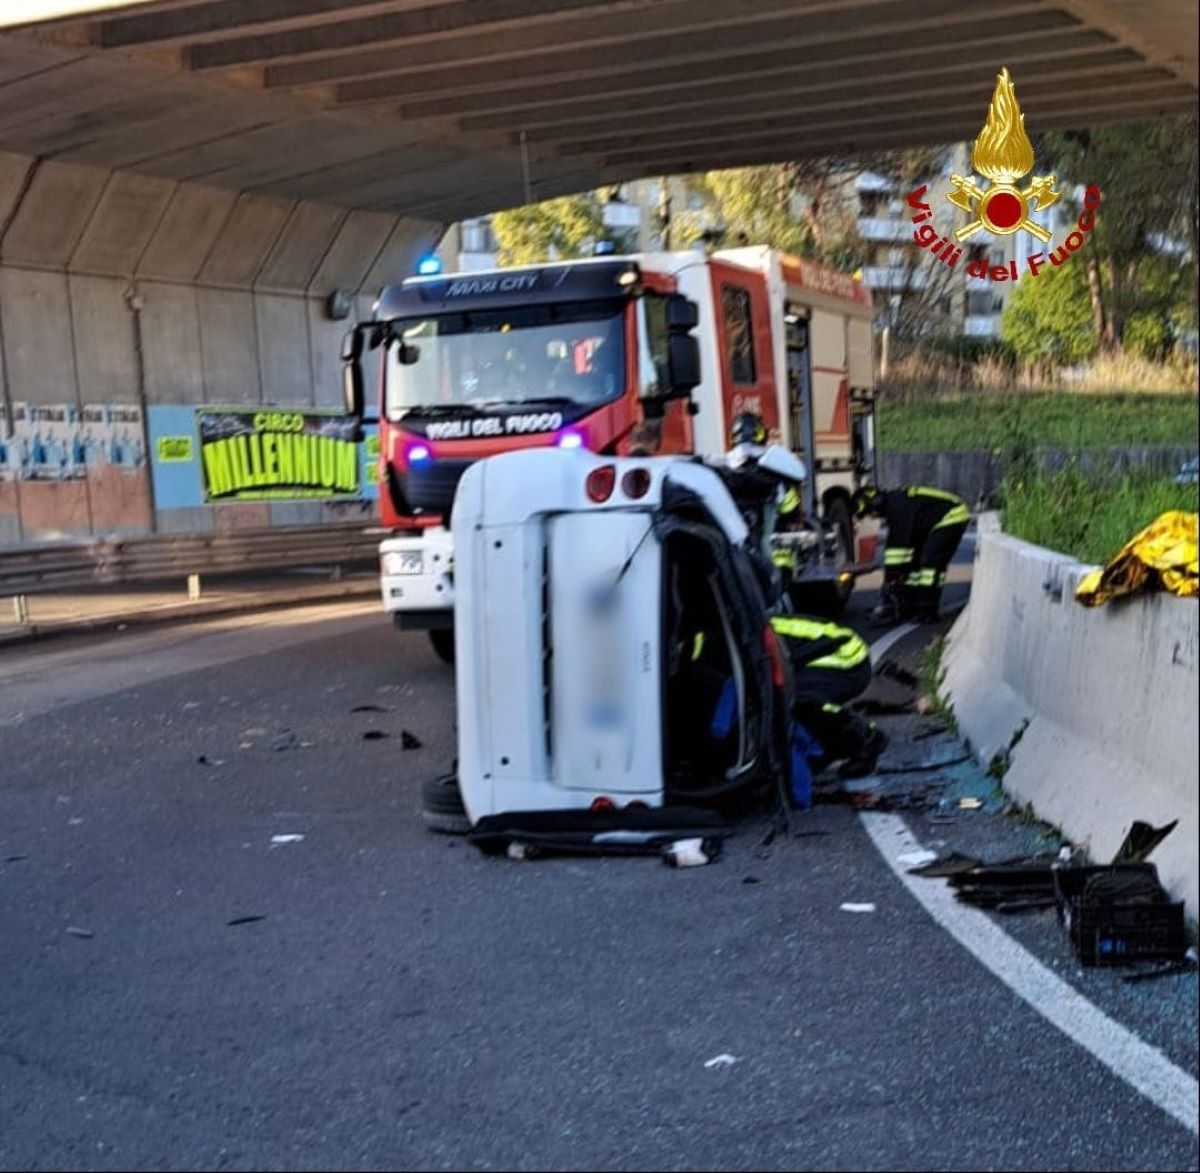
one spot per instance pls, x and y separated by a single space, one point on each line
1162 556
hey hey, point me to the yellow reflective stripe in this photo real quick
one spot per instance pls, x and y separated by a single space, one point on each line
956 516
852 651
783 558
697 645
790 502
922 578
827 707
939 494
897 555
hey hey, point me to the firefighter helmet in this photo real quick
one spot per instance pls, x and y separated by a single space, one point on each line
867 499
748 428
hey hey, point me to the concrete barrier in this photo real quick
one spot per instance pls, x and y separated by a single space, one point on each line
1109 694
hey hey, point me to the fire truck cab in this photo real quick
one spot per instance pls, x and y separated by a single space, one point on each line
652 354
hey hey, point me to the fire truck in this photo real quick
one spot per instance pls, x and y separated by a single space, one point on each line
655 353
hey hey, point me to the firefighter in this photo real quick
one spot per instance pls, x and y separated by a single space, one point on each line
831 665
924 528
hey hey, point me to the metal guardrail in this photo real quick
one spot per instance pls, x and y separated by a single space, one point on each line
93 562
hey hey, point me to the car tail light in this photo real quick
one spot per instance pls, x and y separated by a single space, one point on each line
601 482
603 804
775 655
636 483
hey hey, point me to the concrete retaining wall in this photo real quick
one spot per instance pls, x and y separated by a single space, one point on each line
975 473
1110 695
128 291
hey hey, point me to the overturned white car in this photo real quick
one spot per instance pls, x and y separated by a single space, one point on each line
613 648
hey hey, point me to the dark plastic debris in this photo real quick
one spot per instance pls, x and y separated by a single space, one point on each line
369 709
1141 840
409 740
892 671
244 920
286 740
751 880
374 735
1160 971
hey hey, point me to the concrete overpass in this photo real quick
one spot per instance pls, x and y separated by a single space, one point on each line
183 184
418 106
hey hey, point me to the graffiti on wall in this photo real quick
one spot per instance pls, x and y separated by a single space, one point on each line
63 442
68 470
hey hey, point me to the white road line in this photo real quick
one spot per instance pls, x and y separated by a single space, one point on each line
1141 1066
885 641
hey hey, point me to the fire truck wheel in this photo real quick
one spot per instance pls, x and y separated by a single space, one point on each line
838 516
442 807
443 644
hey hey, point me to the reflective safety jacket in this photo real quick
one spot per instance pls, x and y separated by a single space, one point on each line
912 514
828 645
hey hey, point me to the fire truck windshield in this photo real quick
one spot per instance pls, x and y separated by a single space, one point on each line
570 353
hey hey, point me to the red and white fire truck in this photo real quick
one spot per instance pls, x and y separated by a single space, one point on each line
653 353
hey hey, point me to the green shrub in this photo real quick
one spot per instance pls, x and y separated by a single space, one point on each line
1089 517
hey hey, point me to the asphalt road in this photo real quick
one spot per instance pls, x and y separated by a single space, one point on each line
179 991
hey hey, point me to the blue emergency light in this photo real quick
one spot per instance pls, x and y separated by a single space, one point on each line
429 265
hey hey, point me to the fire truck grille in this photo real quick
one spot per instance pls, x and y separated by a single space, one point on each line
430 485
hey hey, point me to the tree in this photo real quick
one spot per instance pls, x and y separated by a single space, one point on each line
1048 318
1147 174
558 228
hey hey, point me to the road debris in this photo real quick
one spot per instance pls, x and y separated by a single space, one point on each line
852 907
691 853
76 931
287 838
1141 840
370 709
1168 969
285 740
751 880
722 1060
916 859
205 760
923 767
374 735
970 803
946 865
409 740
245 920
